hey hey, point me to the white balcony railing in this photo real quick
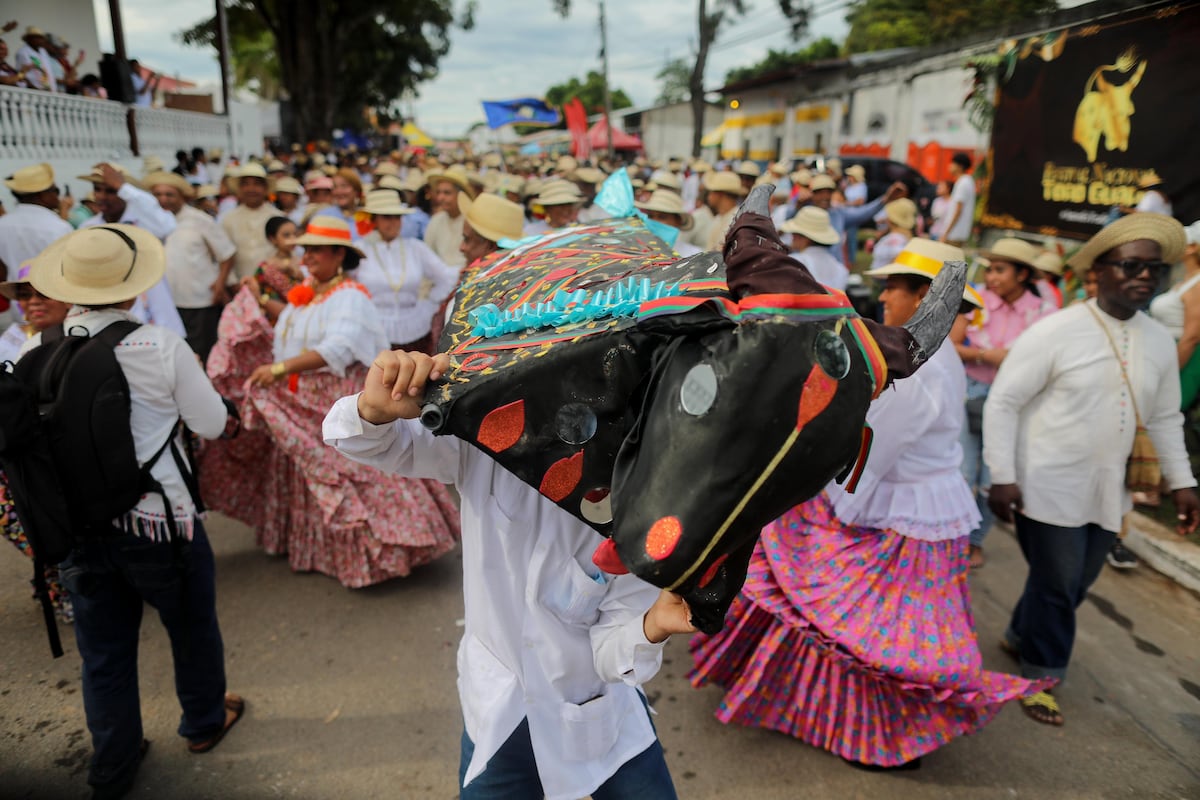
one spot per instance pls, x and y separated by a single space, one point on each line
72 133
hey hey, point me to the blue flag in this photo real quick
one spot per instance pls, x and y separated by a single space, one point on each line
522 111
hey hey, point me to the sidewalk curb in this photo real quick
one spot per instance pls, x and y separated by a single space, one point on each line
1164 551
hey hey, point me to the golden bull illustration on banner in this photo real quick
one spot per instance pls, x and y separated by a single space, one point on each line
1107 107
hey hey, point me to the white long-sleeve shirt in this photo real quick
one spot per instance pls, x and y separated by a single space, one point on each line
444 235
548 636
1058 420
26 231
407 282
166 383
343 327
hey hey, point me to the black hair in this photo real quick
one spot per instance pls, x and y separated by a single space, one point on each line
274 224
963 160
91 79
912 283
352 259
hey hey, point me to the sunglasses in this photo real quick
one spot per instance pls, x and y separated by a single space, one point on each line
25 293
1132 267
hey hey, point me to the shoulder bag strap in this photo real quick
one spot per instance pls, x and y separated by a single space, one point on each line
1117 354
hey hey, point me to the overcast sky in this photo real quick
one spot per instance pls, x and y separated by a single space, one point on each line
517 49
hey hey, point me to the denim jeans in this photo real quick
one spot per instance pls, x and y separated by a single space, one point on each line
1063 564
511 774
109 580
979 478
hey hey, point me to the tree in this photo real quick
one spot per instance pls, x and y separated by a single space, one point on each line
884 24
775 60
337 58
709 25
674 76
253 60
590 92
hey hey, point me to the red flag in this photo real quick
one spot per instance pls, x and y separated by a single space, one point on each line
576 119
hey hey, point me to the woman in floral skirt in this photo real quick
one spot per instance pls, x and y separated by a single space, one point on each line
854 631
327 514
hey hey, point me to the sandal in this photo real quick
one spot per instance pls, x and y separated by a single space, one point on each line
1043 708
234 707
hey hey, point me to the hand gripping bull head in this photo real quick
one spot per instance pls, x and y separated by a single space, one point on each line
682 430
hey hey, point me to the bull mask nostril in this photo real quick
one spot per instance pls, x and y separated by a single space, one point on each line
832 354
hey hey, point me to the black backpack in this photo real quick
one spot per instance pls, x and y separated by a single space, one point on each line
67 448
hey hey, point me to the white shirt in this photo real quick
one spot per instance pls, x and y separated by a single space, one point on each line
343 327
166 383
407 282
912 482
823 265
963 195
247 229
535 228
25 232
592 213
690 191
1059 423
548 637
1155 202
38 66
940 210
444 237
718 229
155 306
1167 309
887 248
195 251
142 96
702 222
855 194
686 249
12 341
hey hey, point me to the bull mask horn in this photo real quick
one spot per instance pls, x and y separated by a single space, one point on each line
937 312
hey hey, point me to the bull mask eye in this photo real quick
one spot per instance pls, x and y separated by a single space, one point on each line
831 353
575 423
596 506
699 390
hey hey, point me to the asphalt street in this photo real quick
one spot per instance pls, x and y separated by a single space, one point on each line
351 694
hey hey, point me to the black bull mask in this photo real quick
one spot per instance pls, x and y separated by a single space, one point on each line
716 395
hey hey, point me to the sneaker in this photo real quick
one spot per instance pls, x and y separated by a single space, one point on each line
1120 557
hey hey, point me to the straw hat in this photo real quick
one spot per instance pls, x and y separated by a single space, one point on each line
386 168
99 265
9 288
668 202
588 175
455 174
902 213
207 190
1048 261
725 182
778 168
493 217
801 177
666 180
558 193
857 171
385 203
288 185
510 183
1149 180
566 165
533 187
390 183
152 164
750 169
492 160
97 177
171 179
31 180
925 258
328 230
834 165
820 182
275 165
700 166
251 170
1013 250
1139 225
33 30
812 223
318 183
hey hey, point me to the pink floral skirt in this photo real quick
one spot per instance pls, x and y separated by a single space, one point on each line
303 499
855 640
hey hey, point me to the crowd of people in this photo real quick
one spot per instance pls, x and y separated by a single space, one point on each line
309 290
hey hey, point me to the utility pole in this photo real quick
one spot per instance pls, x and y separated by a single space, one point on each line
607 94
223 53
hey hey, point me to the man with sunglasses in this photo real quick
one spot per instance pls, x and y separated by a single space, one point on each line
1059 427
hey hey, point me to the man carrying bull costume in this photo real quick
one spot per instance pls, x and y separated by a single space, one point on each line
555 649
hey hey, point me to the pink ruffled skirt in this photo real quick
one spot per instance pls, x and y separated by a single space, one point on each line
855 640
326 513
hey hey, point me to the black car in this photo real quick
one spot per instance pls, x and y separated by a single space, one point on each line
882 173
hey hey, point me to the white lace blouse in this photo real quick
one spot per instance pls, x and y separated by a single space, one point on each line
342 326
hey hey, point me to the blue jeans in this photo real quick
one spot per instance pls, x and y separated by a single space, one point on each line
109 580
511 774
1063 564
979 478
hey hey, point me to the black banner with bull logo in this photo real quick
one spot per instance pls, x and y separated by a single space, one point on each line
1089 116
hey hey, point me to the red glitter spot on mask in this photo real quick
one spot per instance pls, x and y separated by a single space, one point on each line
711 572
605 557
818 391
562 477
559 274
662 537
502 427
